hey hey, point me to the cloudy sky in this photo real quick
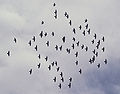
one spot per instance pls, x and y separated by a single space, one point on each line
22 19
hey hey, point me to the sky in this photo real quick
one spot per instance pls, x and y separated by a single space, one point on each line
22 19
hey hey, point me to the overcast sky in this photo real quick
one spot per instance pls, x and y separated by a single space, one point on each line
22 19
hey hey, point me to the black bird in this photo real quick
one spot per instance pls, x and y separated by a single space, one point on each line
92 41
67 16
61 74
105 61
15 40
93 58
36 47
56 63
103 39
86 48
54 79
70 79
42 22
103 49
93 51
82 46
97 46
70 22
98 42
45 34
73 46
53 34
74 30
55 16
62 79
85 20
46 58
96 54
59 85
80 71
76 62
54 4
49 67
68 50
63 39
33 38
78 43
84 32
88 31
86 26
30 71
95 36
39 56
90 61
60 48
98 65
73 39
47 43
76 54
69 85
38 65
56 47
41 34
58 68
29 42
52 63
55 11
8 53
80 27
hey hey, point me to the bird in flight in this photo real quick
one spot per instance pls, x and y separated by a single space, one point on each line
29 42
30 71
15 40
39 56
85 20
46 58
8 53
49 67
69 85
80 71
98 65
70 79
63 39
38 65
105 61
59 85
33 38
54 4
41 34
54 79
42 22
36 47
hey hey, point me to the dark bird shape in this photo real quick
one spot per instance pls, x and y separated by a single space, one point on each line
93 58
103 39
96 54
84 32
63 39
70 22
15 40
98 65
68 50
47 43
92 41
67 16
45 34
55 11
76 54
49 67
55 16
70 79
93 51
54 79
73 46
80 71
88 31
61 74
38 65
86 48
36 47
95 36
8 53
80 27
98 42
85 20
86 26
78 43
52 63
103 49
56 47
69 85
30 71
29 42
105 61
46 58
59 85
62 79
82 46
39 56
76 62
60 48
41 34
54 4
74 30
90 61
56 63
73 39
42 22
58 68
53 33
33 38
97 46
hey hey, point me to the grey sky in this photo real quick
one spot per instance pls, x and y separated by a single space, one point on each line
22 19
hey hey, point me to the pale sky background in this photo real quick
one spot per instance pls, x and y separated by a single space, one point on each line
22 19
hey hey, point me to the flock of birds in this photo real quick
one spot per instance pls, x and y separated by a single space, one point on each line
76 43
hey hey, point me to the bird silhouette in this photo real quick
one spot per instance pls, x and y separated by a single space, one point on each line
83 33
62 79
73 39
33 38
36 47
56 47
76 62
80 27
39 56
88 31
69 85
95 36
68 50
76 54
54 4
82 46
70 22
38 65
47 43
96 54
52 63
42 22
70 79
74 30
55 11
53 34
105 61
86 26
29 42
78 43
73 46
61 74
60 48
59 85
45 34
56 63
90 61
103 49
85 20
98 65
54 79
41 34
80 71
103 39
92 41
30 71
63 39
46 58
93 51
49 67
58 68
55 16
8 53
15 40
86 48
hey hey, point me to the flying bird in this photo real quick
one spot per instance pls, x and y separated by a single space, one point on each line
92 41
54 4
82 46
49 67
69 85
36 47
76 62
56 63
47 43
95 36
38 65
73 39
62 79
63 39
70 79
29 42
80 71
56 47
83 33
85 20
60 48
88 31
74 30
42 22
78 43
86 48
73 46
103 39
76 54
8 53
53 34
61 74
33 38
52 63
68 50
103 49
59 85
86 26
30 71
80 27
41 34
70 22
45 34
105 61
58 68
15 40
98 65
46 58
39 56
54 79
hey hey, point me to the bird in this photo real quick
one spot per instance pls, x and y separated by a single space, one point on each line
49 67
78 43
68 50
45 34
30 71
80 27
85 20
61 74
42 22
83 33
74 30
93 51
62 79
38 65
8 53
33 38
63 39
60 48
15 40
105 61
41 34
86 48
103 39
76 62
73 39
70 22
96 54
69 85
92 41
95 36
76 54
54 4
93 58
98 42
59 85
55 16
67 16
97 46
70 79
56 63
82 46
90 61
46 58
58 68
53 34
103 49
47 43
52 63
36 47
55 11
98 65
80 71
56 47
29 42
39 56
88 31
65 13
54 79
86 26
73 46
